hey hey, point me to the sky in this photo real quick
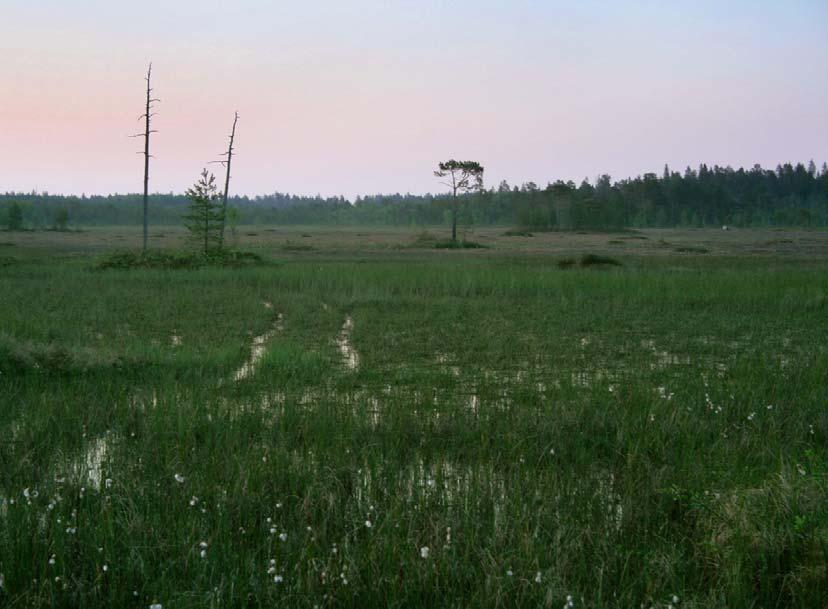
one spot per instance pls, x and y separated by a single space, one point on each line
359 97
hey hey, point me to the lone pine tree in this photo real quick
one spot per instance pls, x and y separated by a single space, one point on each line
205 217
463 177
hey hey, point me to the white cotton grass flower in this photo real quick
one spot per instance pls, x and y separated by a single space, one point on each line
510 573
278 579
156 606
105 568
368 524
179 478
538 577
282 536
52 560
424 552
675 599
569 602
273 530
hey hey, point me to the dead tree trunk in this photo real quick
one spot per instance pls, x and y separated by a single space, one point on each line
147 116
229 155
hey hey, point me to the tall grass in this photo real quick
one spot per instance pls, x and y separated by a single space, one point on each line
619 437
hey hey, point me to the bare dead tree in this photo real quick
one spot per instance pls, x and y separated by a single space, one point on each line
147 116
229 155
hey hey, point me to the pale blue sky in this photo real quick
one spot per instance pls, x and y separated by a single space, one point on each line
362 97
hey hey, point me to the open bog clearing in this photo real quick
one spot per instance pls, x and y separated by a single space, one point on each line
365 421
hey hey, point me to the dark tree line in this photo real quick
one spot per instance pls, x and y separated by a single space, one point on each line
790 195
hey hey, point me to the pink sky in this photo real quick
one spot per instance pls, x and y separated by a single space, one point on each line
364 97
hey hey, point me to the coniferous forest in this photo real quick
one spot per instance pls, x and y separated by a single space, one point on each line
790 195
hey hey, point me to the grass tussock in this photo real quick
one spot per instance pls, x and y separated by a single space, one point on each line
517 233
437 430
297 247
566 263
177 260
428 240
458 245
687 249
27 356
587 261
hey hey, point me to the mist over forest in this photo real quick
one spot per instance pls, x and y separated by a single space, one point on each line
790 195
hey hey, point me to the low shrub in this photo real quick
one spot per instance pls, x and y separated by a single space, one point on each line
458 245
588 260
173 260
296 247
27 355
598 260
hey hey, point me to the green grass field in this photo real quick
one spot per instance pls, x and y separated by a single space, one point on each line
367 422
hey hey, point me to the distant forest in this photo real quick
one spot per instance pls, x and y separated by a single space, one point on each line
791 195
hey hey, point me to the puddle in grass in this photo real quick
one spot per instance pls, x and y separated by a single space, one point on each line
437 480
87 469
349 355
461 485
140 402
91 464
258 348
